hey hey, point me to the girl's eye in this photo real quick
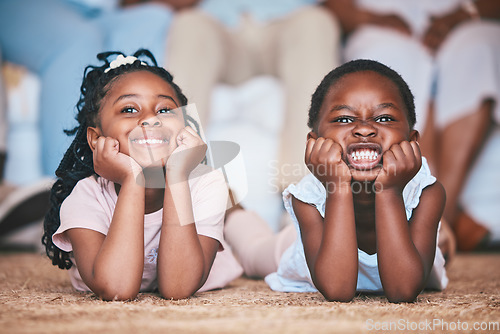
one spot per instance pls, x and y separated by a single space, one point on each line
129 110
384 118
342 120
166 111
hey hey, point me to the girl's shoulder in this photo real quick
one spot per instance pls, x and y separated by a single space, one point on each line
413 189
308 190
90 205
92 186
206 176
92 191
209 190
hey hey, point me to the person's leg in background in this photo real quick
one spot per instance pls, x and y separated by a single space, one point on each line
196 56
253 242
51 39
467 99
459 144
149 31
305 48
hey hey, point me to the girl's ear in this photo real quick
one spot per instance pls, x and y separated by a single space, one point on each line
312 135
92 135
414 135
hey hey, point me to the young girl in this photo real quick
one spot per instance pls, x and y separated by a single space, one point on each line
131 186
367 216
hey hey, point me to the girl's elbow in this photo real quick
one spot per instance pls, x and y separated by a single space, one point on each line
408 295
343 297
337 294
177 290
111 290
176 293
402 298
404 290
336 289
116 294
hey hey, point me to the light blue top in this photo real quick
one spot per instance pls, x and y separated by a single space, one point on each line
229 12
93 7
293 274
57 39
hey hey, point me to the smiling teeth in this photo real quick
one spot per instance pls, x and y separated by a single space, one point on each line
364 155
149 141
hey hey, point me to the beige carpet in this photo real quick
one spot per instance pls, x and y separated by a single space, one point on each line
36 297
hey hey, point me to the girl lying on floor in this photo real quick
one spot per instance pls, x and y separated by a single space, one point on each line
133 208
366 219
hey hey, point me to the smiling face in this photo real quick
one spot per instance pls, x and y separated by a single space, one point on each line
365 113
141 111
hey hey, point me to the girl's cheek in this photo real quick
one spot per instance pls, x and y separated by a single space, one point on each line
124 148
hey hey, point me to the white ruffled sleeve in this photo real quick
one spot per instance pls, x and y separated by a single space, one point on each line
414 188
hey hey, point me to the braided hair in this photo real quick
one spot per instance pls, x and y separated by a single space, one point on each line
77 162
360 65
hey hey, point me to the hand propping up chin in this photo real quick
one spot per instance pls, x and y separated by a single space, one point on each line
323 158
400 164
189 153
111 164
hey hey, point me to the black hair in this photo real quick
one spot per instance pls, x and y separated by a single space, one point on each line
77 162
360 65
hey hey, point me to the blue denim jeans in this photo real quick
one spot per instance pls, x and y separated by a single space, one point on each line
55 40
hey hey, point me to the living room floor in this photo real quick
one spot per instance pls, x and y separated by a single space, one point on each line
36 297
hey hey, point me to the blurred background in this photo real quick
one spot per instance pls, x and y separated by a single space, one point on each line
251 66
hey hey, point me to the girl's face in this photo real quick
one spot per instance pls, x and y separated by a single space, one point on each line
141 111
364 113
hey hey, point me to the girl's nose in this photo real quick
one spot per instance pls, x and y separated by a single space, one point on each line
364 129
153 121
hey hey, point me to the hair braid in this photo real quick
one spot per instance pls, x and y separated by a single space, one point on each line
75 165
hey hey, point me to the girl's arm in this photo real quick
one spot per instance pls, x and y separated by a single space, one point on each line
184 258
111 265
405 250
330 244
